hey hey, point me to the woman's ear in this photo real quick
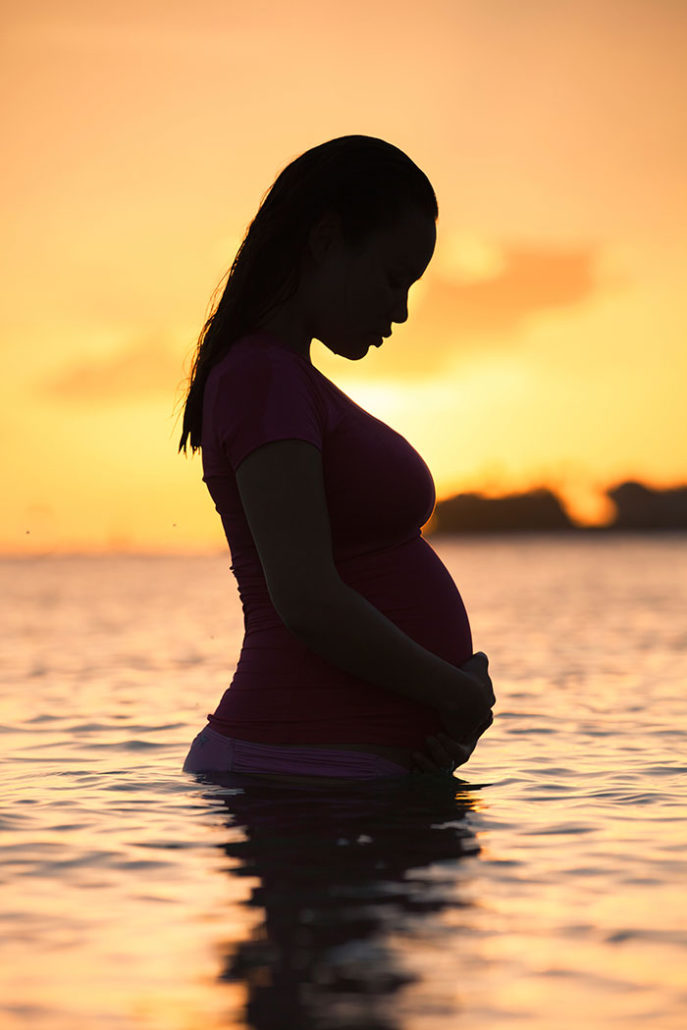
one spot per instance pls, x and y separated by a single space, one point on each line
323 235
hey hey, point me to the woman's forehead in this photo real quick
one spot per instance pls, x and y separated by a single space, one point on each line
410 242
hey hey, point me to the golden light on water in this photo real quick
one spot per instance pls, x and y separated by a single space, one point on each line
545 887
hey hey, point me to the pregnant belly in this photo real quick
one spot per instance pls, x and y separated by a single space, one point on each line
312 703
411 586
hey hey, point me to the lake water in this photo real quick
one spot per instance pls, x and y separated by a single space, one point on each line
543 886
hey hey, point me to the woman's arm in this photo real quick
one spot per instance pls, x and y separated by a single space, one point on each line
281 485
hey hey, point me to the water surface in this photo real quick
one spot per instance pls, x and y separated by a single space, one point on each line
542 886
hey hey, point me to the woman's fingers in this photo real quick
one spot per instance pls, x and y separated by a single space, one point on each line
476 667
484 725
424 763
433 759
439 753
457 751
443 754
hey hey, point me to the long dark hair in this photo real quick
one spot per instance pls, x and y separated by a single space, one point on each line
369 183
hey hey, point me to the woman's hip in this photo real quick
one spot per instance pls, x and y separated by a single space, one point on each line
211 751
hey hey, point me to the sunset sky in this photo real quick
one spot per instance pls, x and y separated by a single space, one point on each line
546 342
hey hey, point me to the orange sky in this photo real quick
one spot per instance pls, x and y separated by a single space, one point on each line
546 341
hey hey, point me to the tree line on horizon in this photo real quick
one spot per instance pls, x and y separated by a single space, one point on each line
637 507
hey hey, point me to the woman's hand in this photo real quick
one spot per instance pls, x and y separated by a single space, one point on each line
444 754
447 750
470 714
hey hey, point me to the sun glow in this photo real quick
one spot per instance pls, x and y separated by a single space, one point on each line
544 343
468 258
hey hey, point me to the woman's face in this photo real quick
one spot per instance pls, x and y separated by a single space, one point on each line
355 295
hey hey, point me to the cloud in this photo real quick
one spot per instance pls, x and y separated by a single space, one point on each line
147 368
463 315
456 314
530 280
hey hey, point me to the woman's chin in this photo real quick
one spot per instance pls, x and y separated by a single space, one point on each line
353 350
360 354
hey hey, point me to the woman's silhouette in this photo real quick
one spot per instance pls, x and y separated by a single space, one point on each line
357 656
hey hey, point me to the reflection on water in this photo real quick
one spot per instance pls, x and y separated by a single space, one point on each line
545 888
343 875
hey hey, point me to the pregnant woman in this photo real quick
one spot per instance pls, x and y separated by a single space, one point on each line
357 657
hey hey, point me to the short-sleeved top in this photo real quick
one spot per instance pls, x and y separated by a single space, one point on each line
379 494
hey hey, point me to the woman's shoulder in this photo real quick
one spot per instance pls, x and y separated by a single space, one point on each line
261 391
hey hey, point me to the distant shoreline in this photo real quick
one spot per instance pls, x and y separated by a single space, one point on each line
567 531
638 509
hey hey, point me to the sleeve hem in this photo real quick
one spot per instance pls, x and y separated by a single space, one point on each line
236 462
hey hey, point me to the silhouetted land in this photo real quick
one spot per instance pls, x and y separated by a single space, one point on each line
637 507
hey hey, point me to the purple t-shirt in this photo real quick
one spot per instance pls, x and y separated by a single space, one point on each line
379 495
